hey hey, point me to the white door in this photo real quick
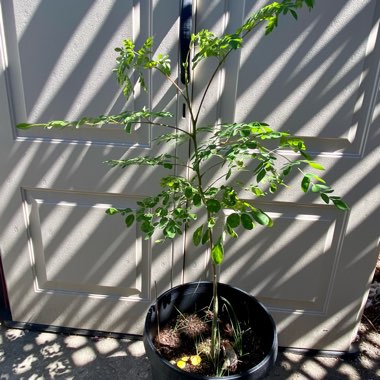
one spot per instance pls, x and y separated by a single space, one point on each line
76 267
65 262
316 77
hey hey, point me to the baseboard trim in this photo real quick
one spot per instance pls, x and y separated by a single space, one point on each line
68 330
351 354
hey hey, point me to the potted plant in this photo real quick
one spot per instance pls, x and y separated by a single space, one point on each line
216 208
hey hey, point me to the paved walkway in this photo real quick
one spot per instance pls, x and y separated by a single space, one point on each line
40 355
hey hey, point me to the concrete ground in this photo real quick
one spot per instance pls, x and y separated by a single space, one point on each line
40 355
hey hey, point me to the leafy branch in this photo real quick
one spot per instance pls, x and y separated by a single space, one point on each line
125 118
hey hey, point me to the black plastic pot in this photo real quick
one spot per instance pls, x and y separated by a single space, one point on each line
194 296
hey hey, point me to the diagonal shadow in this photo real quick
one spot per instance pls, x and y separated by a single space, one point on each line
102 181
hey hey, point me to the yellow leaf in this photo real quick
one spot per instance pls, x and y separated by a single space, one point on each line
195 359
181 364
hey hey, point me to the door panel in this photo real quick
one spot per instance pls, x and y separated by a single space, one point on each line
59 262
65 262
316 78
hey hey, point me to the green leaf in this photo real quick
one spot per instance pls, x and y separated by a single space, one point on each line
197 200
325 198
213 205
246 221
287 170
58 124
81 122
233 220
309 3
112 211
340 204
147 161
188 192
229 196
163 222
273 187
217 253
171 230
304 154
129 220
251 144
313 176
261 217
24 126
315 165
272 23
305 184
317 188
261 175
151 201
197 236
294 14
206 236
211 223
146 227
231 232
257 191
245 132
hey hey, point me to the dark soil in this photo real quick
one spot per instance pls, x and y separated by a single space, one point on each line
190 334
